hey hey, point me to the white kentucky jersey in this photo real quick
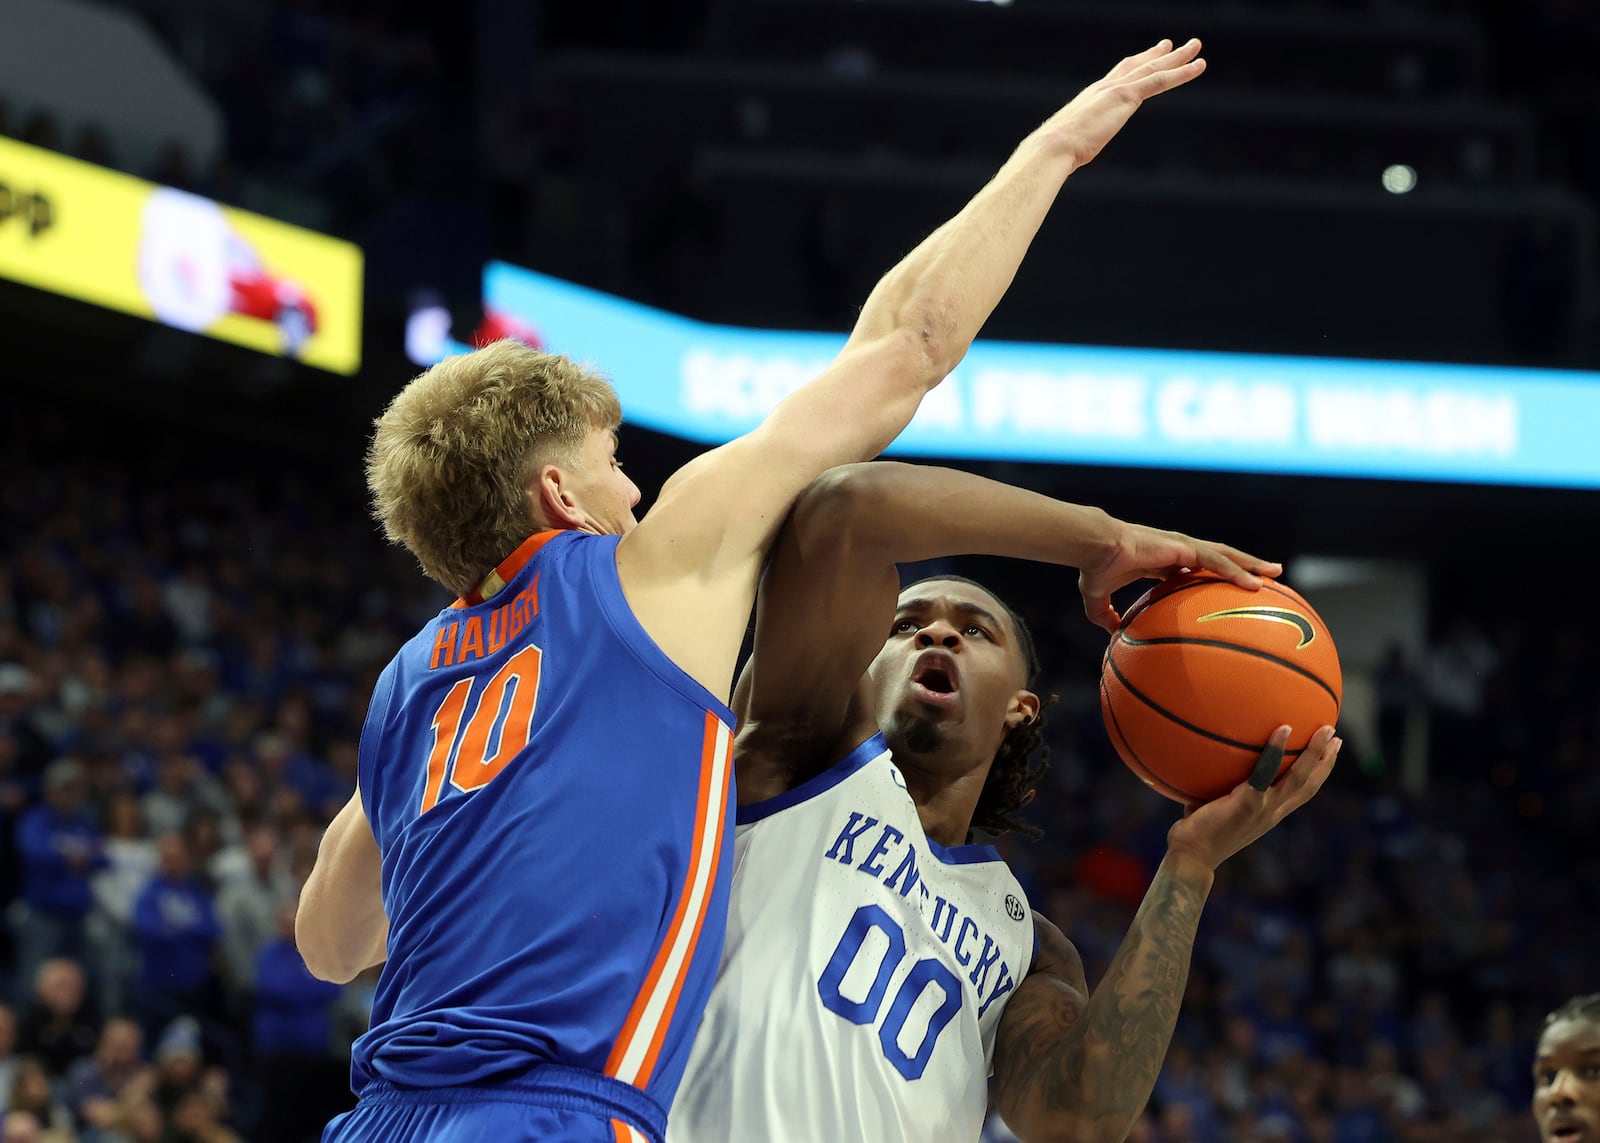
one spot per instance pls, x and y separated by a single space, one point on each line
864 974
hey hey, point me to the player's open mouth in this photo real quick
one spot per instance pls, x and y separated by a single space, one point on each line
1566 1130
935 679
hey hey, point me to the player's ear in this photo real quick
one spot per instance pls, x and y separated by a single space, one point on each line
551 500
1024 708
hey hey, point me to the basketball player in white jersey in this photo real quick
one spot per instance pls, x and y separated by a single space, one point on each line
878 963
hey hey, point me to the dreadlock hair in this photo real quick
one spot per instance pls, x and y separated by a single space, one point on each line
1578 1008
1023 757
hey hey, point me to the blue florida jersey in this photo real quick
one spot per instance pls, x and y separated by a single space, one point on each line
550 793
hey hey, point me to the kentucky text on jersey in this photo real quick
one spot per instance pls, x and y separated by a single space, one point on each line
884 855
474 639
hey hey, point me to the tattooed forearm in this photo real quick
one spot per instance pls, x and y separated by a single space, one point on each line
1084 1072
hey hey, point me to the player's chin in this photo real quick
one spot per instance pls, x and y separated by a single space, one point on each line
926 719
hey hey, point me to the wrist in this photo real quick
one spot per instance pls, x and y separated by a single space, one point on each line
1096 538
1190 867
1049 146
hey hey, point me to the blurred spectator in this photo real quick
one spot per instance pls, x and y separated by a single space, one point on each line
138 1120
187 598
1183 1088
180 1063
61 848
131 863
1398 1094
26 1127
1358 1114
14 788
1396 687
182 789
32 1094
56 1029
294 769
248 905
95 1083
197 1119
204 834
140 625
291 1036
1359 970
8 1054
176 931
30 749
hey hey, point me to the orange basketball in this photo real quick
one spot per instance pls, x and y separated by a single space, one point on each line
1203 672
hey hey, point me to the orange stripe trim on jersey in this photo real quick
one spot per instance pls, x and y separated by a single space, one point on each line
634 1055
641 1001
506 569
660 1037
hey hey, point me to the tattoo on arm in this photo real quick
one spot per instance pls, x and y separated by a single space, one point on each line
1092 1066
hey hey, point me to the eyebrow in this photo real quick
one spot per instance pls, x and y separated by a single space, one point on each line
1585 1053
973 609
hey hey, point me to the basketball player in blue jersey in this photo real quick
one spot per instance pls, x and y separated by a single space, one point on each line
538 846
878 962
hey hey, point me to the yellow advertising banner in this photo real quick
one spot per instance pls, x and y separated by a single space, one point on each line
82 231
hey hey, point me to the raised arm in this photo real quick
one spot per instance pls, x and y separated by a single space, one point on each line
690 569
829 593
1073 1072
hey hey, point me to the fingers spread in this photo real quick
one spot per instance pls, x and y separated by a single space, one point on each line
1153 62
1154 52
1183 53
1167 78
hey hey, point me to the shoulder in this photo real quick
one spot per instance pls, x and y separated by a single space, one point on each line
778 751
1057 956
775 755
766 789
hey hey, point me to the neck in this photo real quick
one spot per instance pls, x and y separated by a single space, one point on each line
945 801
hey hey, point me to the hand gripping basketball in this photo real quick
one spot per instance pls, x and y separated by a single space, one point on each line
1201 671
1214 831
1149 553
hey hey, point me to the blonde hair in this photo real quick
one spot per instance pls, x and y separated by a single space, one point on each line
450 462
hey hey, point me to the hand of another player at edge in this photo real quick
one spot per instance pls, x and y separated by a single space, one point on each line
1084 126
1214 831
1148 553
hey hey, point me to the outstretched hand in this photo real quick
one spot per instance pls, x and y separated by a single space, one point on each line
1100 110
1215 831
1147 553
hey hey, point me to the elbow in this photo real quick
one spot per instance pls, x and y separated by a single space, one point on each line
937 346
1053 1126
848 503
1076 1111
329 969
1067 1128
322 957
923 346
